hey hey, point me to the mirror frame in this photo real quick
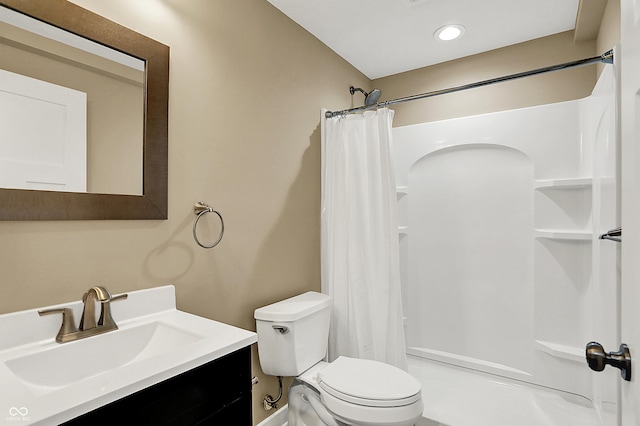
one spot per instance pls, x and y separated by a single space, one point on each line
18 204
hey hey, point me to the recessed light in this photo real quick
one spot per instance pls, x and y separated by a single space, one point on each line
449 32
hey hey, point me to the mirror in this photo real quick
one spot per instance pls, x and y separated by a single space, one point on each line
60 95
21 204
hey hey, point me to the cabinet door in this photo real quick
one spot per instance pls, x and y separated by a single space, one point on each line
234 414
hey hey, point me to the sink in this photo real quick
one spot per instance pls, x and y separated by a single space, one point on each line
65 364
46 382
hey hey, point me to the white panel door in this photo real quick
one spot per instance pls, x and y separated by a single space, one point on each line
42 135
630 164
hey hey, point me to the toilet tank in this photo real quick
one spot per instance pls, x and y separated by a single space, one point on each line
293 333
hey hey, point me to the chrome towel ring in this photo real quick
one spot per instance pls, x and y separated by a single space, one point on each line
200 209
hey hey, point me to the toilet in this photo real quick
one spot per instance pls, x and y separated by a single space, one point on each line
292 341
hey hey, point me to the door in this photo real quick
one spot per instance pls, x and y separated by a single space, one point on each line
42 135
630 207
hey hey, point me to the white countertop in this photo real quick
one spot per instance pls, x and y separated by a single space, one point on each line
25 333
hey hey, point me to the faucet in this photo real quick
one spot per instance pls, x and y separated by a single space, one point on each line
88 326
88 320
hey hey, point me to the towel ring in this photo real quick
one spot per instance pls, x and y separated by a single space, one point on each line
200 209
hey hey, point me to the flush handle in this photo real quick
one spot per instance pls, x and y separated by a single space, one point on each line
597 359
281 329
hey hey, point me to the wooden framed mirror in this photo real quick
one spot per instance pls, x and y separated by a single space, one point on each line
26 204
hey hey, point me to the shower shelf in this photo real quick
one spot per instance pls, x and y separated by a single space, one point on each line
402 190
403 230
558 350
563 234
571 183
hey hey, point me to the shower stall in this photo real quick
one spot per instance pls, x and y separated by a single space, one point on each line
504 276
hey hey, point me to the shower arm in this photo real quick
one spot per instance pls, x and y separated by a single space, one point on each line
353 90
605 58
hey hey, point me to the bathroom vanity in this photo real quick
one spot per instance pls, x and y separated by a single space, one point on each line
161 366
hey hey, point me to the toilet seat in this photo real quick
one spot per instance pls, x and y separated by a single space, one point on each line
369 392
370 402
367 382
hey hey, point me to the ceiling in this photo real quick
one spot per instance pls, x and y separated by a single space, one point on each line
385 37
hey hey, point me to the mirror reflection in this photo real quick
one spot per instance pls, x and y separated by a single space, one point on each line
71 111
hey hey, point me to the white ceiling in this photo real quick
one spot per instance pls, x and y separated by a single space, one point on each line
385 37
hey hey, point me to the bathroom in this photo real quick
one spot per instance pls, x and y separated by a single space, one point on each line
246 88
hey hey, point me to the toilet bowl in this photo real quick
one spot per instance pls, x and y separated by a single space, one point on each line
292 341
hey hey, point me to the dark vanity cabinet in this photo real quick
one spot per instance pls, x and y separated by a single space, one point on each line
216 393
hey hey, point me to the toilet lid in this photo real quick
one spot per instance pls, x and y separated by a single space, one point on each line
368 382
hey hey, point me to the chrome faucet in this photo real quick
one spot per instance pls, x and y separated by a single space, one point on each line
88 326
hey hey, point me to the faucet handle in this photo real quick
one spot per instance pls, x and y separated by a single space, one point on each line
118 297
68 323
105 315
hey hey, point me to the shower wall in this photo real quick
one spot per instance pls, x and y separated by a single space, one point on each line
502 268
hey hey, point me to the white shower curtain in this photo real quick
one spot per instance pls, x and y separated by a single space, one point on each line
360 257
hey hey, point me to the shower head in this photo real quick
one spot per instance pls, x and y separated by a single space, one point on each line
370 98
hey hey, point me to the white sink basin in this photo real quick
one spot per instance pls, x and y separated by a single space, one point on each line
44 382
65 364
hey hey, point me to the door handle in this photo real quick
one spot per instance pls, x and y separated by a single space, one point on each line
597 359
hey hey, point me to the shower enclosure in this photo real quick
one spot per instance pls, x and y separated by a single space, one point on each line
503 271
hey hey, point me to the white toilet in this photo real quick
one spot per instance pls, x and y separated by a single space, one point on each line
292 341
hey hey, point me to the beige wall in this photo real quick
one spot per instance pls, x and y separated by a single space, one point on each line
245 92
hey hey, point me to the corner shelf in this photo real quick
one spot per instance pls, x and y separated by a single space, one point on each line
570 353
402 190
582 184
568 183
563 234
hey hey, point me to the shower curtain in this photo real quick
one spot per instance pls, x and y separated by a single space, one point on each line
360 256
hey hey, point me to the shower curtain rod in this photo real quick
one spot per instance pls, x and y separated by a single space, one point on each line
606 58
